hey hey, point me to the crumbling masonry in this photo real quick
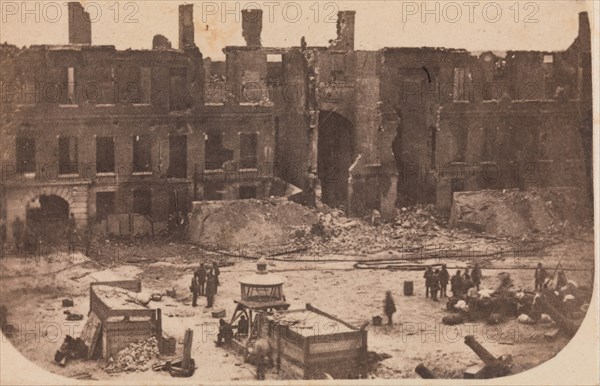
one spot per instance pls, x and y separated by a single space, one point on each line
92 131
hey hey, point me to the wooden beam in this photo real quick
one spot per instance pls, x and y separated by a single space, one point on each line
187 348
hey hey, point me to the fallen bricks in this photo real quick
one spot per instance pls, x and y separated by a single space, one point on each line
134 357
494 367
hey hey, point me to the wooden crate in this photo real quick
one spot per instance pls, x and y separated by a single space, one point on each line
120 327
305 355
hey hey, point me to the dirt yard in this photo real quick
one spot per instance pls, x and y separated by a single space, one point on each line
32 291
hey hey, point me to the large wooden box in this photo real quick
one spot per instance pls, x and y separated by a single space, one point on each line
327 345
120 327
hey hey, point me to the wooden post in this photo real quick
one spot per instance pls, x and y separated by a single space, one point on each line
424 372
364 353
187 349
159 325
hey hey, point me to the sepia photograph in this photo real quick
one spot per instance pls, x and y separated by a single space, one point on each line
299 192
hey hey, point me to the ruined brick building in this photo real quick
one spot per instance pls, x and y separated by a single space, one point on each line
89 130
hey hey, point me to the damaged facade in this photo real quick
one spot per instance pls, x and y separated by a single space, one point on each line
89 130
149 131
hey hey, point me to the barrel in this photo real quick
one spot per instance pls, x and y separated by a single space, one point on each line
408 288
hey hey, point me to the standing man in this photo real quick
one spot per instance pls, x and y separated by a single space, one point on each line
195 290
456 284
225 333
443 276
216 272
467 282
388 306
540 277
261 364
201 277
210 290
476 276
427 276
435 285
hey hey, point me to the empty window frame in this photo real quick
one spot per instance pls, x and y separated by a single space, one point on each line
177 156
25 154
105 154
215 153
142 158
105 205
460 93
142 201
178 93
247 192
67 155
248 150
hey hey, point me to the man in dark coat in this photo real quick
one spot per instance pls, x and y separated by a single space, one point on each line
540 277
476 276
242 329
456 284
443 276
210 290
225 333
467 282
388 306
427 276
216 272
435 285
195 291
201 277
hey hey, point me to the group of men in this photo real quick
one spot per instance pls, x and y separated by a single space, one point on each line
437 281
204 283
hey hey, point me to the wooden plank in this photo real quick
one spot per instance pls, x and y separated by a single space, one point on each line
350 344
290 368
91 333
129 285
187 349
292 350
334 337
343 355
318 311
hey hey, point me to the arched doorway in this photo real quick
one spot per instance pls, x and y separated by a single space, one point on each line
47 217
335 156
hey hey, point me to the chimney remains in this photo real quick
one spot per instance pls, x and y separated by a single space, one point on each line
80 25
345 31
186 26
252 26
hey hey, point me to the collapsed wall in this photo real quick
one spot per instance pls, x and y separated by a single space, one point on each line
515 213
247 224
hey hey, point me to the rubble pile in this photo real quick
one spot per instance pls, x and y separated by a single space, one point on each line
251 225
535 213
135 357
413 229
280 227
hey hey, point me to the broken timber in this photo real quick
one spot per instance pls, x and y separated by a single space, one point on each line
494 367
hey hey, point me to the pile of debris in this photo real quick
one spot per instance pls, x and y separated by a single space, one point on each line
252 226
413 228
535 213
135 357
278 227
419 217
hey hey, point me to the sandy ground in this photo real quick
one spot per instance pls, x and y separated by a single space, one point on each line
32 290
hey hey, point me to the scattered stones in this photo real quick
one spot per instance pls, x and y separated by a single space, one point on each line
135 357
